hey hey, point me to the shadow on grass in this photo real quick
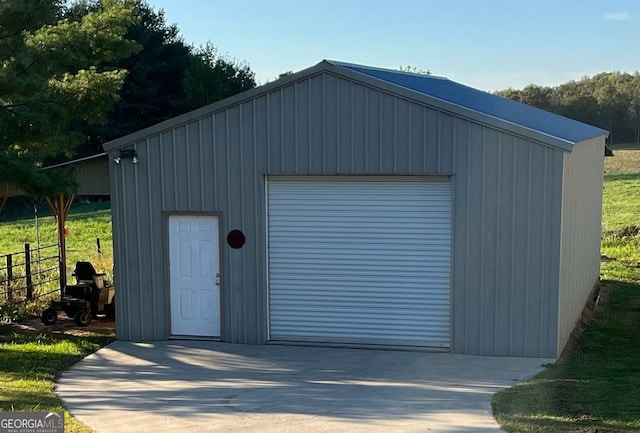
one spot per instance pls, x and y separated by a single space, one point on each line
570 425
78 211
36 398
29 357
625 176
29 364
625 146
594 387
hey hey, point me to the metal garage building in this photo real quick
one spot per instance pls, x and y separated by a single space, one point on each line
353 205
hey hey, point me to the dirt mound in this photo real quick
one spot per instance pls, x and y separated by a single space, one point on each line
598 298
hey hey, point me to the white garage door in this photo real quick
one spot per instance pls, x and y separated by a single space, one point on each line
360 259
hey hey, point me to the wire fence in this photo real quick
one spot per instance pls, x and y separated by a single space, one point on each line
29 275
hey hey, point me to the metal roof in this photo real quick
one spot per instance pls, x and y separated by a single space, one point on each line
553 125
441 93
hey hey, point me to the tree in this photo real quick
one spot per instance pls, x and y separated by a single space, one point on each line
539 96
166 78
210 78
53 73
634 108
153 87
415 70
610 100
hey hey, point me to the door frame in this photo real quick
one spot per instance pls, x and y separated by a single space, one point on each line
167 271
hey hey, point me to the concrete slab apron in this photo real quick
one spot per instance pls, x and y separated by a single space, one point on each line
193 386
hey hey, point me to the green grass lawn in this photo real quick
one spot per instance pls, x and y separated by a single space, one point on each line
595 387
621 201
29 364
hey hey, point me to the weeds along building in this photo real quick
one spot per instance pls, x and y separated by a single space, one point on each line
345 204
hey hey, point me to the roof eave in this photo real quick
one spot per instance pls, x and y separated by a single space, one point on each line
212 108
328 66
74 161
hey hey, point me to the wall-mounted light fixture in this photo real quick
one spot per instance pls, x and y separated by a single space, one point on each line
127 153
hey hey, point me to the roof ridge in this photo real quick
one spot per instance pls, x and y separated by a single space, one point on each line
395 71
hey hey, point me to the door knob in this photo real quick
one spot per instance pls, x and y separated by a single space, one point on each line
218 279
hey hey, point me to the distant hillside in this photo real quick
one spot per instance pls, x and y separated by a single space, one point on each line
610 100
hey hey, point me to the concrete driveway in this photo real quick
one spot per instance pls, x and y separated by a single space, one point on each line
195 386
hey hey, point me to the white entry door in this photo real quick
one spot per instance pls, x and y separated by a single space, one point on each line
194 266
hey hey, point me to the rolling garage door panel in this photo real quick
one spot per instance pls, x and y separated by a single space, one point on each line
360 260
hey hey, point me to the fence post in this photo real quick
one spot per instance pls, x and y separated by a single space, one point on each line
9 276
27 270
98 244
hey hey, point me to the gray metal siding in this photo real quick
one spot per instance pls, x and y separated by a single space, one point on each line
506 231
326 124
581 226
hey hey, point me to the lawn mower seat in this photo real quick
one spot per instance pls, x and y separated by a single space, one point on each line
85 273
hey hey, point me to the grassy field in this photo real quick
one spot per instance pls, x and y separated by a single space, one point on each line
594 387
621 214
86 223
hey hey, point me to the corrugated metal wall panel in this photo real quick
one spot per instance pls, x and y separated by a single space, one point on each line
93 176
153 277
330 125
358 131
181 168
447 130
194 178
145 292
118 205
207 163
505 232
581 226
316 135
360 259
373 132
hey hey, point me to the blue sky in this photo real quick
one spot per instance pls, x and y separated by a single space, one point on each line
487 44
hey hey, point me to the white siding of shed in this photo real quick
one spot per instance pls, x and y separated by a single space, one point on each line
580 233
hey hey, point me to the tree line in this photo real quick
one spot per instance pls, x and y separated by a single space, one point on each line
609 100
76 75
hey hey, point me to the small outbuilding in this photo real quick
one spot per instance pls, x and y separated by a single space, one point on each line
351 205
